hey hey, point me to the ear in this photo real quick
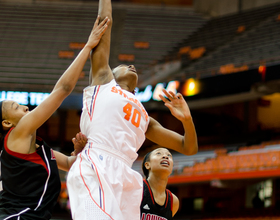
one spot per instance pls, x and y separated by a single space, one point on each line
6 124
147 165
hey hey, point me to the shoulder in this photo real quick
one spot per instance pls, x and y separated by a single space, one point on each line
175 205
102 76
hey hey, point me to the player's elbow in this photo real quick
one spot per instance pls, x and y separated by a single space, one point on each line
107 14
190 148
63 90
67 89
193 151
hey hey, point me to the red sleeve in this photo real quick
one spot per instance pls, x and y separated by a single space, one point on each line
171 198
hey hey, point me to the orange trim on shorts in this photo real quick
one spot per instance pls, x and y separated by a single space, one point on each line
98 179
89 189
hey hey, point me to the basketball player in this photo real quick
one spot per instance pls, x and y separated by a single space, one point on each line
101 183
29 173
158 202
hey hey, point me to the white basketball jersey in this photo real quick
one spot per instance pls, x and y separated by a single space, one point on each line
114 117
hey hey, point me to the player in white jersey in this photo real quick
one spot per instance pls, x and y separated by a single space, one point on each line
101 183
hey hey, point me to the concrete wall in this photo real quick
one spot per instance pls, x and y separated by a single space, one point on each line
248 4
215 8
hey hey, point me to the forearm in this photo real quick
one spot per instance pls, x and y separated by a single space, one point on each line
105 9
68 80
190 138
100 70
64 162
71 160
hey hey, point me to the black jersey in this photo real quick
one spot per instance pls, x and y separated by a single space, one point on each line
151 210
30 183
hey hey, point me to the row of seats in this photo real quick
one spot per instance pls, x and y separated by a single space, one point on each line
33 33
180 160
32 36
163 29
245 158
224 45
233 163
256 46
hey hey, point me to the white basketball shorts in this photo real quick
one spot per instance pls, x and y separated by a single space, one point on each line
102 186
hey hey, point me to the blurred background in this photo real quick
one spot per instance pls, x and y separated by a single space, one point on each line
222 55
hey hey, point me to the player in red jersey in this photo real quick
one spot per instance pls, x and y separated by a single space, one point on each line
158 202
29 173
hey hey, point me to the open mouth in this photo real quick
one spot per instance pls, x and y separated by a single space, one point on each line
165 162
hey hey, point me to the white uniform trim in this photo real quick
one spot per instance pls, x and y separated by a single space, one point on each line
47 181
45 188
101 183
18 214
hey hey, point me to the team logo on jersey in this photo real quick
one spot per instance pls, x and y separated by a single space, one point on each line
151 217
146 207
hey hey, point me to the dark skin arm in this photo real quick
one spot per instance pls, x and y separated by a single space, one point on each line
65 162
100 72
178 107
22 137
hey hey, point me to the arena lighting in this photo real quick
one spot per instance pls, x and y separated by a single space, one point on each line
171 86
148 93
262 71
24 98
145 95
190 87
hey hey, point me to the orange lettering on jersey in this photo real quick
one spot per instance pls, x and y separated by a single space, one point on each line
120 92
127 110
114 89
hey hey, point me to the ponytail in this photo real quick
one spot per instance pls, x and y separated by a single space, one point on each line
144 169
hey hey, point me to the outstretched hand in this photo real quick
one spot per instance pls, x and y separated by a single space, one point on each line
79 142
97 32
176 104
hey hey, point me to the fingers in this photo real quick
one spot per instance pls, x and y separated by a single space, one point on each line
96 21
103 26
105 20
180 96
170 95
163 98
100 28
78 136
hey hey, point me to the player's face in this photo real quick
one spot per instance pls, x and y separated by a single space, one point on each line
127 73
13 112
161 160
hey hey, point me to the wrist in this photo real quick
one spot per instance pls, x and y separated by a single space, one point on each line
187 119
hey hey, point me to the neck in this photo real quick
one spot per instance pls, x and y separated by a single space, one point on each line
124 86
157 183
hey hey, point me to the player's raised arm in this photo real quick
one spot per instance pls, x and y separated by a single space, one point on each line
30 122
100 72
178 107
